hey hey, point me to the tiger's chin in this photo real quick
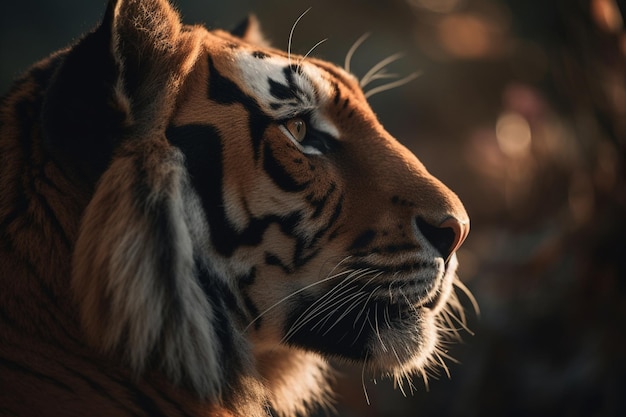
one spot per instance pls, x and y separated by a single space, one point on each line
397 335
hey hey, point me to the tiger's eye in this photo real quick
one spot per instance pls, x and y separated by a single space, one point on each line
297 128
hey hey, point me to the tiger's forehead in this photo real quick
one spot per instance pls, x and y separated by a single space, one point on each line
283 87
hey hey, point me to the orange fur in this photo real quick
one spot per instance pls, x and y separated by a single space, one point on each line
169 249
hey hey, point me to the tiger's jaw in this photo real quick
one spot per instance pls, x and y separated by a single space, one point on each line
390 324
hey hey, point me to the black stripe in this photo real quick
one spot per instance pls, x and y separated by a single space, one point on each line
386 250
98 388
290 74
338 209
218 293
143 401
363 240
281 91
224 91
405 268
27 114
274 260
320 204
306 249
260 55
279 174
202 147
337 94
244 282
13 366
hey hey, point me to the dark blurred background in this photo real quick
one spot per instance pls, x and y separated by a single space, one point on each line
521 109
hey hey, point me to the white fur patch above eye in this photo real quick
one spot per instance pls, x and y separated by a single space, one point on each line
283 93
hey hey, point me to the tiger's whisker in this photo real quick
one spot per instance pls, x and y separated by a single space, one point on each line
318 307
293 28
443 364
377 330
459 321
367 398
383 76
394 84
311 50
329 295
353 49
334 306
460 285
345 313
362 326
282 300
367 78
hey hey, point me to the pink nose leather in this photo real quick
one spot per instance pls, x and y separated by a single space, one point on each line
461 230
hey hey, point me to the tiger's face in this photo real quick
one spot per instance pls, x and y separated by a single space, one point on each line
247 214
337 238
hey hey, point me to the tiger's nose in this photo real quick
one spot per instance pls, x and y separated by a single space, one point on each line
447 236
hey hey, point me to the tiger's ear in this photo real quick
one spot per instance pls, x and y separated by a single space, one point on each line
137 261
118 79
250 31
147 46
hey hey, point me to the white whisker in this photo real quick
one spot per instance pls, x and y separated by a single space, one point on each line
393 84
327 301
387 317
367 398
311 50
459 321
445 355
334 307
425 378
382 76
330 277
353 49
460 285
367 78
361 296
449 327
366 302
321 303
324 303
377 330
443 364
293 28
362 326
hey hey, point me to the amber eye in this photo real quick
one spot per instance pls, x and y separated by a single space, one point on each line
297 128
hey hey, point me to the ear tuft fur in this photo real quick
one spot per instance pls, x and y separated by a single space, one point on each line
250 31
152 56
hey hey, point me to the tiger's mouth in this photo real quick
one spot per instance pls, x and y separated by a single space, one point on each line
374 316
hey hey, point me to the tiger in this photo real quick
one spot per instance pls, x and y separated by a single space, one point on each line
195 223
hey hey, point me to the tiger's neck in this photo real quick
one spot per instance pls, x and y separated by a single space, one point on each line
39 214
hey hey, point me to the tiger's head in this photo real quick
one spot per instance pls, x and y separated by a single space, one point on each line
248 215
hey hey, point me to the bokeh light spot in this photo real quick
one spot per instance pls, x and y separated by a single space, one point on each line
465 35
513 134
607 15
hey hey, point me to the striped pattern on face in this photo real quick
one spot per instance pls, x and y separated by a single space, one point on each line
285 88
